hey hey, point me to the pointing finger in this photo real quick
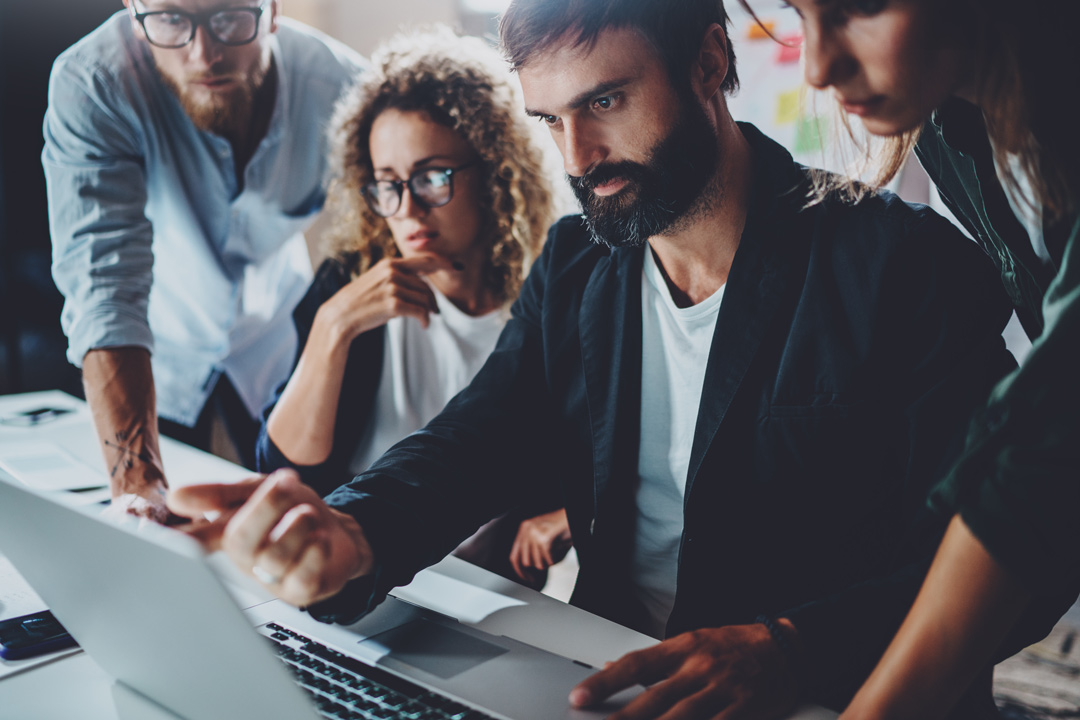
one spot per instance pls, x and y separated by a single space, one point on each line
250 529
193 501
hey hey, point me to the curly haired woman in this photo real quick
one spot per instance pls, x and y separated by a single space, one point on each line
441 205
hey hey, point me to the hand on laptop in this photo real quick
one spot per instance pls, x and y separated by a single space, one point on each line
279 531
733 671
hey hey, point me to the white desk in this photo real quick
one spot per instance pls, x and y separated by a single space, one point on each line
74 686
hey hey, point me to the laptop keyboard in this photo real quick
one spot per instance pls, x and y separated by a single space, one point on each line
344 688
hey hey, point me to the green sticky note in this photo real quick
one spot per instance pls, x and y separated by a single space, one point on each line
810 134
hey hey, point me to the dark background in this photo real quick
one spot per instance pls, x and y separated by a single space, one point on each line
32 34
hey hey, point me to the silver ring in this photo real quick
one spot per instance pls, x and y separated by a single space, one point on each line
264 577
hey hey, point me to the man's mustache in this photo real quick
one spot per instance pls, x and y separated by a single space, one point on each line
623 169
213 77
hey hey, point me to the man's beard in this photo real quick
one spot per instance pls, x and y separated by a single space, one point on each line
658 194
226 114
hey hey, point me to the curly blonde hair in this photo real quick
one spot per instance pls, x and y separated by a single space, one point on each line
462 83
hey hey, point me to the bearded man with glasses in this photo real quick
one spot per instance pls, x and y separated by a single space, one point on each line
185 156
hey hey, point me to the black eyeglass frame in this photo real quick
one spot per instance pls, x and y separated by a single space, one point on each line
399 185
201 19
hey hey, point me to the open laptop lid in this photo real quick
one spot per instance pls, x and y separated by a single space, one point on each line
144 602
151 613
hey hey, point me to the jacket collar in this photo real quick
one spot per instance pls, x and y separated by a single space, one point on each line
764 269
610 337
961 126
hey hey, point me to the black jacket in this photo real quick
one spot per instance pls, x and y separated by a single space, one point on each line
851 346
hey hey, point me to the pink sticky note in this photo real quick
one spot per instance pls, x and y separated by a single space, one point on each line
791 49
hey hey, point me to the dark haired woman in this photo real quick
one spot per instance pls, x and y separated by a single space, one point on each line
979 88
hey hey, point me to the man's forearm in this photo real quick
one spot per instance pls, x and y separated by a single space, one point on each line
119 386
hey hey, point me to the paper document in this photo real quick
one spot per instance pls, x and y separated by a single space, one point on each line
47 466
468 603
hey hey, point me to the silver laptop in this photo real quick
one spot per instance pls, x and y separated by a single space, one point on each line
146 604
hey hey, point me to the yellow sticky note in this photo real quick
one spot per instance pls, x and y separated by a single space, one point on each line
787 107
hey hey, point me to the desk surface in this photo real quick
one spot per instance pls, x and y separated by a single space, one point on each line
73 686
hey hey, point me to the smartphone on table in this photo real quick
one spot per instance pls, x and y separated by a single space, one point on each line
30 635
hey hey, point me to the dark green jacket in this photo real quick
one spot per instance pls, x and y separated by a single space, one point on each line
1017 485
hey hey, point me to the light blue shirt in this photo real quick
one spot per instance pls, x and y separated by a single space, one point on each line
155 244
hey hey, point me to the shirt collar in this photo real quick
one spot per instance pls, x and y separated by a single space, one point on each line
959 123
281 98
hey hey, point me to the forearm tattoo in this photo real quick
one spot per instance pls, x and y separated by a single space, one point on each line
127 443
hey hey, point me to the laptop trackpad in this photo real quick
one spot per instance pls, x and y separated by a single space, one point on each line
433 648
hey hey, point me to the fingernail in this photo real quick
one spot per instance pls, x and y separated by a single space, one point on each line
458 265
580 697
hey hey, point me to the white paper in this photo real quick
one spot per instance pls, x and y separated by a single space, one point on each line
10 667
47 466
468 603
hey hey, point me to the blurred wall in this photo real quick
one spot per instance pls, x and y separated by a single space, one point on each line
362 24
32 34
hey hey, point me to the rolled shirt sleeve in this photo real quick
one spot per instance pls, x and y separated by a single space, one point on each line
95 177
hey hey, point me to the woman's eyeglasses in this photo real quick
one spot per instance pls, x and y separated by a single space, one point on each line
430 187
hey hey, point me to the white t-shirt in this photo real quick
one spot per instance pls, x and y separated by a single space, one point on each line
675 351
422 370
